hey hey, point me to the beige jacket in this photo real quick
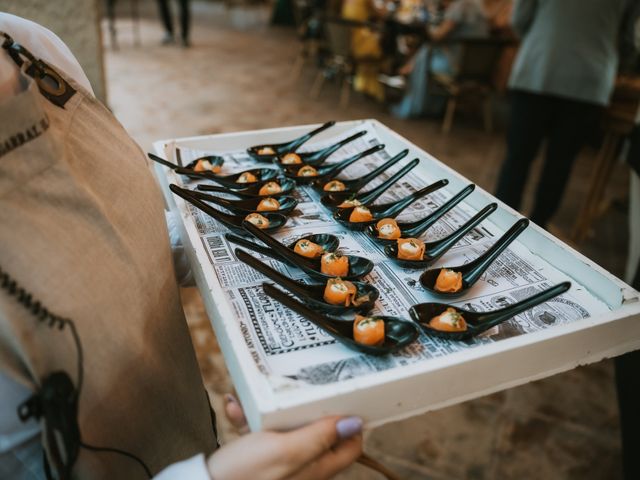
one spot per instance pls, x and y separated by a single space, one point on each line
82 228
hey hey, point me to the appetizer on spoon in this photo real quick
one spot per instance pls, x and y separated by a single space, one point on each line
267 221
358 218
329 265
333 201
452 323
318 157
336 296
456 281
305 174
279 204
375 335
268 152
309 246
276 186
387 231
208 163
414 253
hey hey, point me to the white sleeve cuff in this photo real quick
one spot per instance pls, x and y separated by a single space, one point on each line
194 468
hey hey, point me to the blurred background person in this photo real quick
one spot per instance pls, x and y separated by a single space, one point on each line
563 75
167 20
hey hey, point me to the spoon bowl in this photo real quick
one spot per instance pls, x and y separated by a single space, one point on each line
358 266
249 205
262 175
398 332
434 250
313 294
280 148
320 156
232 222
417 228
385 210
479 322
472 271
214 160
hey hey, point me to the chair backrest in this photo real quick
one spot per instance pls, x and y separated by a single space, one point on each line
479 58
339 35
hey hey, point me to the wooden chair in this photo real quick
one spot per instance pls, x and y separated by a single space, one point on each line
474 80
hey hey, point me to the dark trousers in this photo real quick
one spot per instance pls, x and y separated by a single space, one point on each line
185 18
566 125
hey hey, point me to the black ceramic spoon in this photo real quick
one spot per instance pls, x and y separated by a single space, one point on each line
215 161
386 210
313 294
329 243
397 332
472 271
358 266
232 222
318 157
285 147
253 190
417 228
333 200
434 250
249 205
478 322
327 172
263 175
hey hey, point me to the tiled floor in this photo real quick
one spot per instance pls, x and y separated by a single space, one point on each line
237 77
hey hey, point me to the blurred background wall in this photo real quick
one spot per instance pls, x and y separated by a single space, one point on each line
76 22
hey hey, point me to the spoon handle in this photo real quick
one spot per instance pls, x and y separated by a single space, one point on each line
404 203
339 167
386 165
423 225
480 264
253 246
436 249
266 270
223 202
208 209
280 249
337 146
162 161
491 319
294 144
372 195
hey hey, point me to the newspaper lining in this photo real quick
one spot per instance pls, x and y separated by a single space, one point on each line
288 347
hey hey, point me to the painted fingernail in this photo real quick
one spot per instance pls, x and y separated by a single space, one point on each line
348 427
228 398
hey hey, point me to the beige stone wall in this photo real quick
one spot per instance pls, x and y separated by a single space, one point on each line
76 22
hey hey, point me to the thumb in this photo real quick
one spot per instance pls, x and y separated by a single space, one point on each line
319 437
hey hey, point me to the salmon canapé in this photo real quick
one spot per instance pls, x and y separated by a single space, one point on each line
307 171
340 292
388 229
206 166
334 186
258 220
448 281
266 151
448 321
270 188
410 249
308 249
247 177
268 205
360 214
291 159
368 330
350 203
334 264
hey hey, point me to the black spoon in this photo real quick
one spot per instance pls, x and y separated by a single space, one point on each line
397 332
333 200
285 147
478 322
215 161
232 222
329 243
417 228
434 250
250 205
318 157
358 266
262 175
253 190
472 271
313 294
385 210
326 172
